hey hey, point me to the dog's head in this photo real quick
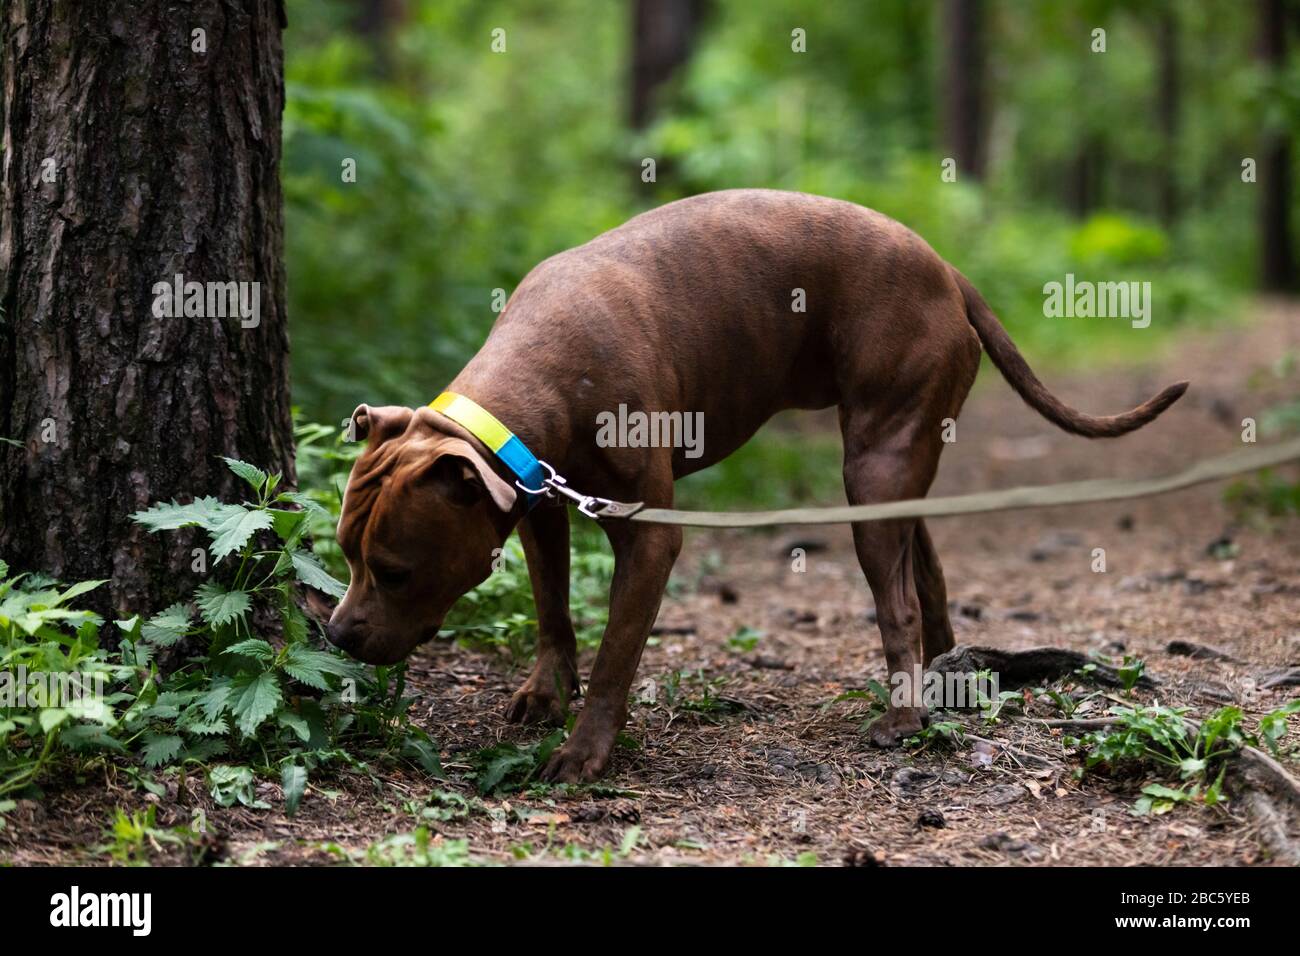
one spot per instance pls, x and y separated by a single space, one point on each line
422 518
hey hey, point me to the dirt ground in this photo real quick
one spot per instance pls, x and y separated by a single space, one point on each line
777 771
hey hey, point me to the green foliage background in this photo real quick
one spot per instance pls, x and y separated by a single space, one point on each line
473 166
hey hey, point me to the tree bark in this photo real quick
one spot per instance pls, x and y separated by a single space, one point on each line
376 21
963 87
662 34
1086 175
1169 109
1276 252
129 158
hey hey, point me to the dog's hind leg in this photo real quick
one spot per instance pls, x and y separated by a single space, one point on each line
936 629
544 696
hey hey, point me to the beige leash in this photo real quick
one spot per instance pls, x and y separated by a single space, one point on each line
1038 496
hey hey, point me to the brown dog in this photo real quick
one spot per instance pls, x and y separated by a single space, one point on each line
687 308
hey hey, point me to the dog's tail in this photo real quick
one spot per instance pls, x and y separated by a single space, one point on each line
1021 377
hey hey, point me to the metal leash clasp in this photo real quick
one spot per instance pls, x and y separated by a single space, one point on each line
590 505
594 507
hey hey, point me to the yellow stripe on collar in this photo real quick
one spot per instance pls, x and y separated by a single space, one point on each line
501 441
476 419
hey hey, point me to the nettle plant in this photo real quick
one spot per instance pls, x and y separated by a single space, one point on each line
292 704
1165 739
54 677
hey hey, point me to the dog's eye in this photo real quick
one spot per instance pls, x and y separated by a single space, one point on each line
390 578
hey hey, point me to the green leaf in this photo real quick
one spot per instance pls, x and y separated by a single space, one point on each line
194 721
288 524
51 717
418 745
168 627
205 512
78 589
630 839
1273 725
216 698
255 476
130 627
305 673
294 779
311 573
233 532
93 708
310 666
253 700
295 722
1168 793
1214 793
295 622
229 784
219 606
162 709
204 750
159 750
500 767
255 648
304 501
88 736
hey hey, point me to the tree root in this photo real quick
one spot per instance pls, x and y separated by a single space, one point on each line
1033 666
1271 795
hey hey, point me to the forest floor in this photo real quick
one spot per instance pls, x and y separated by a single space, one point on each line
748 759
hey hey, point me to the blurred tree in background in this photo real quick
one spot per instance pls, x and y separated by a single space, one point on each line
486 135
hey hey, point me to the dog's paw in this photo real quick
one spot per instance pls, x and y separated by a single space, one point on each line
578 761
544 697
897 725
529 706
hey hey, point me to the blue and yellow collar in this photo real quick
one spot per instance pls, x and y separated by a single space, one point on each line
501 441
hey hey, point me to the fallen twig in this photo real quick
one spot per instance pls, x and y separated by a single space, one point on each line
1093 723
1023 756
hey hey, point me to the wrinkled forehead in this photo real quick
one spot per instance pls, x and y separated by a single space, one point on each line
381 478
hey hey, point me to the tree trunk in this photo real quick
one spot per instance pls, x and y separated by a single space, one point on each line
914 31
1169 110
376 21
1276 253
1083 184
662 34
130 157
963 86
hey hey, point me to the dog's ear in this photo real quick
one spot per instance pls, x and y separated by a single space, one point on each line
379 424
465 476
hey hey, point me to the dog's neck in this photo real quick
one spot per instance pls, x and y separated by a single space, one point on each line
535 415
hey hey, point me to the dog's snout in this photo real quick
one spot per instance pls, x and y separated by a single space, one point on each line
341 637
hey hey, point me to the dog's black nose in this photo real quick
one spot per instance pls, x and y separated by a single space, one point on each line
339 637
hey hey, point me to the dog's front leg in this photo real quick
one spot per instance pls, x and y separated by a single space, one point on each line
545 695
643 559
